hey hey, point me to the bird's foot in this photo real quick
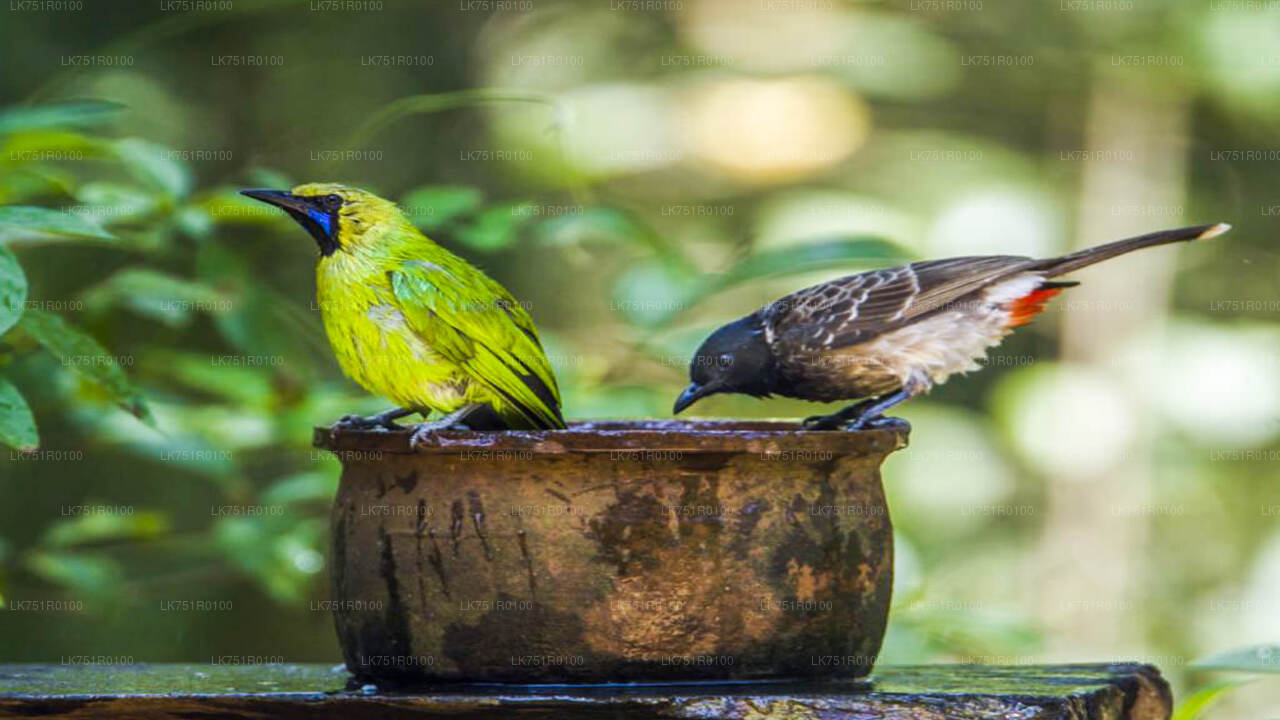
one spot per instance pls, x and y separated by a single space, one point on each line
866 414
878 422
823 422
864 422
381 421
358 422
839 419
425 432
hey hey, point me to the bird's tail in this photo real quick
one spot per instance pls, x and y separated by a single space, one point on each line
1076 260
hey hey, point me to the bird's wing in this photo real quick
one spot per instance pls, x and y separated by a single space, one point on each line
475 323
856 308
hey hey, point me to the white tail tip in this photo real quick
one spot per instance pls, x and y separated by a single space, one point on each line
1214 231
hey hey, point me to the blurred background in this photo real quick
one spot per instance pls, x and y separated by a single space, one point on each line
638 173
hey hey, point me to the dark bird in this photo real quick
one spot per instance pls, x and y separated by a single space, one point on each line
889 335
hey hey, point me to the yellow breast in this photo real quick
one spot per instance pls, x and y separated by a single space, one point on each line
373 342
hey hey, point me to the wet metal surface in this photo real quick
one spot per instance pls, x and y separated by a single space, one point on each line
612 551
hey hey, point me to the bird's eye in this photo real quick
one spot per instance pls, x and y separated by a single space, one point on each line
332 202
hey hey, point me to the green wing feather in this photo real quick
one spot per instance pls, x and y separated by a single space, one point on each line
475 323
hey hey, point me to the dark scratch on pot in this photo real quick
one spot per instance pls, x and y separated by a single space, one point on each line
436 559
528 560
419 529
455 525
477 520
397 618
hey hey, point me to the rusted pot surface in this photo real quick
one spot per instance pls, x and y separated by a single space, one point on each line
612 551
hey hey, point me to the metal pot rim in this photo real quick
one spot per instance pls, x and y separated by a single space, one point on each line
629 436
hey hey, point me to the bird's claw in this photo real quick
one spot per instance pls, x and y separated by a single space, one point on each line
420 436
425 432
360 422
838 420
876 422
862 422
884 422
823 422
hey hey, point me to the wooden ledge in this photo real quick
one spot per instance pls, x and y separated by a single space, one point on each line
925 692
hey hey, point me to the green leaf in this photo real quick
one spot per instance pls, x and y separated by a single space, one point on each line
597 224
13 289
407 105
275 335
981 631
797 260
28 147
195 221
495 228
268 178
168 299
24 221
83 572
281 552
303 487
115 202
608 225
155 164
83 113
34 180
1193 706
241 387
434 206
651 293
1255 659
87 358
182 454
17 425
807 258
97 527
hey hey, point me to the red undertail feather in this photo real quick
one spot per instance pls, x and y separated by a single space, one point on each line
1025 308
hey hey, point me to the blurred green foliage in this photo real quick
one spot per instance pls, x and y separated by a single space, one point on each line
232 398
638 178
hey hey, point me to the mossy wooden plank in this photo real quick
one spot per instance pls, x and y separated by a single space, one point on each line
930 692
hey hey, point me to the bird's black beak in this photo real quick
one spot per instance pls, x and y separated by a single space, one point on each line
320 224
691 395
280 198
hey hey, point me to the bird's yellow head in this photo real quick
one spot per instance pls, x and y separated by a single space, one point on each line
337 216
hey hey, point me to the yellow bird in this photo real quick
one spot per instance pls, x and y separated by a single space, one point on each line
417 324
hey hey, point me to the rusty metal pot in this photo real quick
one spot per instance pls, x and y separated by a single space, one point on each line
612 551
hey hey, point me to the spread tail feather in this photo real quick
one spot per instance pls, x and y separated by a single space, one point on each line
1024 309
1076 260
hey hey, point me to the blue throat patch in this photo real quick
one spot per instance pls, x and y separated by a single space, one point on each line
322 219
